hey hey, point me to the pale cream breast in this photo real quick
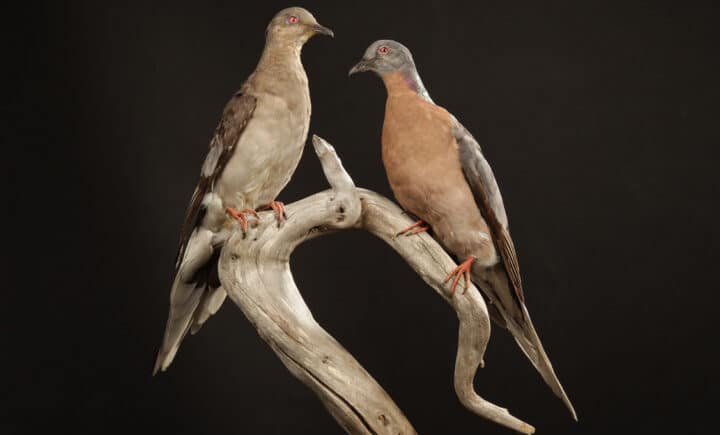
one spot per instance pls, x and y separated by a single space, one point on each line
267 152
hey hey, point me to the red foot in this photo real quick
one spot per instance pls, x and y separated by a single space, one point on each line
417 228
279 209
462 269
240 216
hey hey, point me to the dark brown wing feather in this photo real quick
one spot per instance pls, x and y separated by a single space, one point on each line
487 195
236 115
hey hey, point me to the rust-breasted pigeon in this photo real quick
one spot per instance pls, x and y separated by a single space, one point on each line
437 172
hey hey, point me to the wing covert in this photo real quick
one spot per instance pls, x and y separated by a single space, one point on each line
236 115
482 182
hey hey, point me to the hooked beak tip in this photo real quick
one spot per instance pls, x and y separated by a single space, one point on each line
359 67
322 30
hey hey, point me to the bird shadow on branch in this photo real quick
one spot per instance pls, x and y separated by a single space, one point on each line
256 274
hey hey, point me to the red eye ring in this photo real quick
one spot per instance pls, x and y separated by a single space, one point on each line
292 19
383 50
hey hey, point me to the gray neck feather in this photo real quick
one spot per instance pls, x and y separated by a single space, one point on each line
415 83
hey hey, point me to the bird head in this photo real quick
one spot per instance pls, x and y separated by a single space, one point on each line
295 26
387 57
383 57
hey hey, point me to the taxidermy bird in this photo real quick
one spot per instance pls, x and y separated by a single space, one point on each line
253 153
437 172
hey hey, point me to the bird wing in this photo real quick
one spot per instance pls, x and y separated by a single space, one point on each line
514 317
196 293
482 182
236 115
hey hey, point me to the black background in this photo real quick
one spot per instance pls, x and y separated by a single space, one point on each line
600 121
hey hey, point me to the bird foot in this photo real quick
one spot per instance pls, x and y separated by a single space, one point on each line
240 216
279 209
462 269
416 228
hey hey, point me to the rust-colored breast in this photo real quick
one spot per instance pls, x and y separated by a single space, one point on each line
419 151
423 167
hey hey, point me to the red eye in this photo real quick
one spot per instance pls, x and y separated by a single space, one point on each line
383 50
292 19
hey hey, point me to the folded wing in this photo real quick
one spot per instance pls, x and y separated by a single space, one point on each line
502 284
196 293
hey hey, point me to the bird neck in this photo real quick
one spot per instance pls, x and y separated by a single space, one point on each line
281 57
403 81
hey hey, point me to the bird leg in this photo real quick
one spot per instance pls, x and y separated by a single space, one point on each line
279 209
462 269
417 228
240 216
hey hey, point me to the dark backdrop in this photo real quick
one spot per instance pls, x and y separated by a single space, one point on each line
600 121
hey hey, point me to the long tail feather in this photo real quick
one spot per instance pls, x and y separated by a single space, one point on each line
512 314
195 296
210 305
528 340
185 299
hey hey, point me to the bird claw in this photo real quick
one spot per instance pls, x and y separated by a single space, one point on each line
463 269
416 228
240 217
279 208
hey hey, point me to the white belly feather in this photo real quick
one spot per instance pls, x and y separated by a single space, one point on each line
265 157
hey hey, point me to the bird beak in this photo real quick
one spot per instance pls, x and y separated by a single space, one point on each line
362 66
322 30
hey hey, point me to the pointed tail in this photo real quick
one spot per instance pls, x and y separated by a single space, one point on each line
516 319
196 295
184 301
528 340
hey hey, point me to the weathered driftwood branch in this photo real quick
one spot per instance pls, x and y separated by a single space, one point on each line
255 272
